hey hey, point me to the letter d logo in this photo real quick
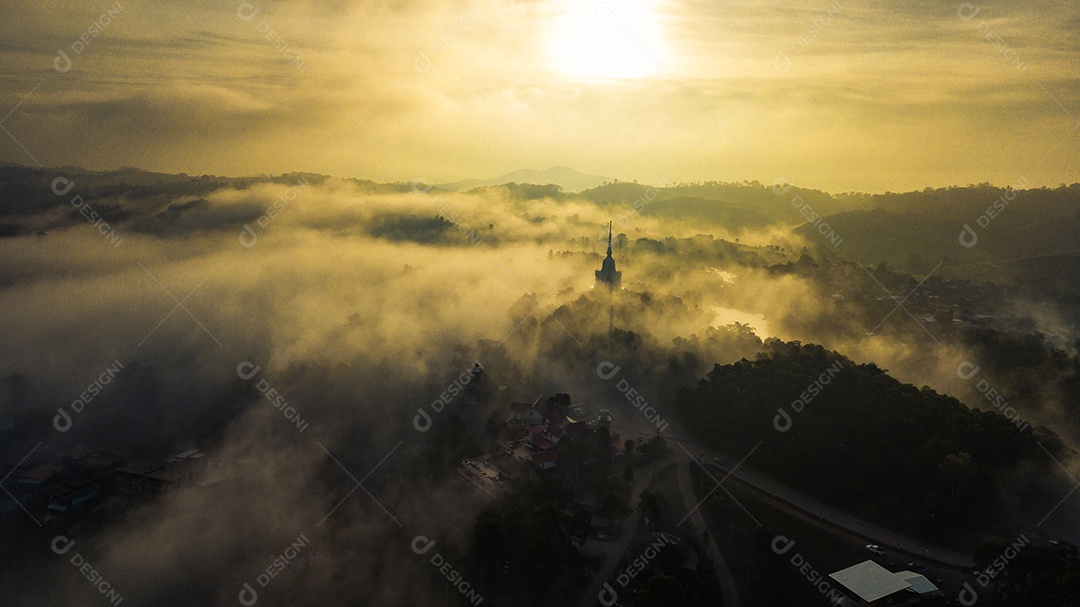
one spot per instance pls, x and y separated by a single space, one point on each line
967 11
967 369
248 237
421 544
247 370
422 63
247 11
606 11
62 421
608 596
782 421
62 185
781 62
60 539
248 596
968 237
968 596
422 421
62 63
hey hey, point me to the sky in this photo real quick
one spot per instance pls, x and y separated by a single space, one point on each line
870 96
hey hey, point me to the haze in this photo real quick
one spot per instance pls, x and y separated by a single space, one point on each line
868 96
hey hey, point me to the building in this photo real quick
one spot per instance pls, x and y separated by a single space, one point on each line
484 476
545 427
147 480
71 493
545 459
603 419
607 274
871 585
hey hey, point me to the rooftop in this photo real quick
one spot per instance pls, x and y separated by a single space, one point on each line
870 581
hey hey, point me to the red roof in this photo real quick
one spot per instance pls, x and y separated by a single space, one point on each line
543 409
41 473
537 429
556 431
576 429
544 457
540 442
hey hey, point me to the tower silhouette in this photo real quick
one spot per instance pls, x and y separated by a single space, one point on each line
607 274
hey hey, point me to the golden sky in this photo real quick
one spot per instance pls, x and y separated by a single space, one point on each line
871 96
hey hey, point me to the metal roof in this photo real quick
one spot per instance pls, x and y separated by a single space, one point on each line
870 581
918 582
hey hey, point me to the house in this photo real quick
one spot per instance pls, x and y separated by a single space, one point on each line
147 480
71 493
529 414
39 474
575 429
517 413
161 481
537 439
545 459
129 479
919 583
189 462
545 427
868 584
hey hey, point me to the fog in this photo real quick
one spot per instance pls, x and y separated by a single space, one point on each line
360 306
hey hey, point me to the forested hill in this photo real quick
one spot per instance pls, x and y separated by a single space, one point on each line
862 441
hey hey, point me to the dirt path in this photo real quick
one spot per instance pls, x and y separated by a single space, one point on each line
727 581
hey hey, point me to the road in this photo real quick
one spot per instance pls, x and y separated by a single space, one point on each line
815 512
616 549
727 582
826 516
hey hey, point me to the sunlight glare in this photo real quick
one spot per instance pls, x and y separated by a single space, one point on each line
609 40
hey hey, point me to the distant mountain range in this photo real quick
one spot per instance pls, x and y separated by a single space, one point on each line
565 177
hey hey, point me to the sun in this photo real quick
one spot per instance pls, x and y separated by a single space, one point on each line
609 40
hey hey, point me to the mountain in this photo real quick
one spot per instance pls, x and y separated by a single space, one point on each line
565 177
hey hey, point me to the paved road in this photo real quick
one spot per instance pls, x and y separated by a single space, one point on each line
825 515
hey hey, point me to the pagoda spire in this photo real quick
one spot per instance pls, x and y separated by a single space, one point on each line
607 274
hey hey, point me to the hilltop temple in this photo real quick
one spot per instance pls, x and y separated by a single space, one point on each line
607 274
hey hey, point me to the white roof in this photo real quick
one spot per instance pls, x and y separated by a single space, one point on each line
918 582
870 581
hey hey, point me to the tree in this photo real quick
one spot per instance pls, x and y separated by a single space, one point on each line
560 401
662 591
649 506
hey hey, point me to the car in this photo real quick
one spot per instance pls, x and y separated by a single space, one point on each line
875 549
718 460
916 567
